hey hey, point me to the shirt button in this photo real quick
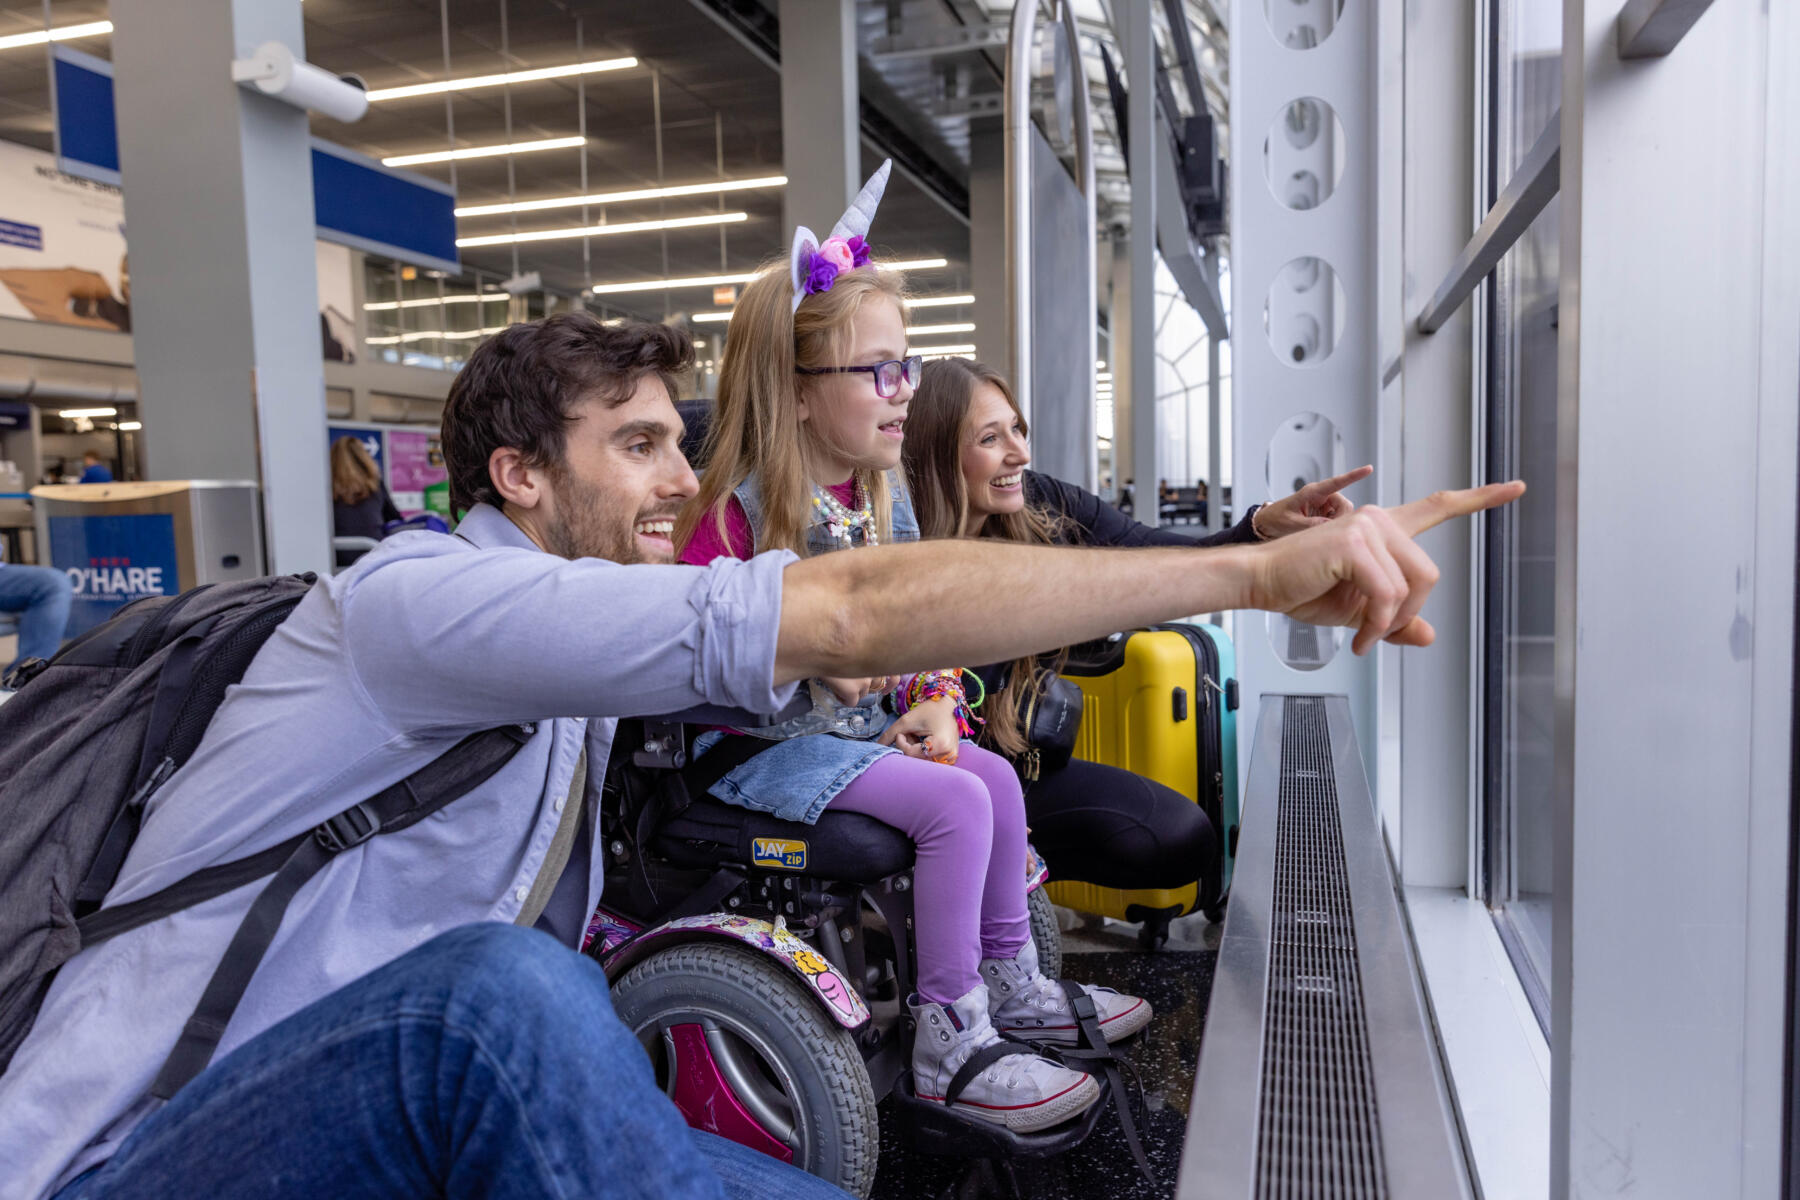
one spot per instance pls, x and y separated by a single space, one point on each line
560 801
520 892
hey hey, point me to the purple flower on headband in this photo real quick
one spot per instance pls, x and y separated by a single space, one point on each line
821 273
859 251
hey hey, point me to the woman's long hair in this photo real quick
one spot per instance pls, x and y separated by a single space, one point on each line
937 424
354 475
756 427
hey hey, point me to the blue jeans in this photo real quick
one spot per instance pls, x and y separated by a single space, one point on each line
486 1063
41 596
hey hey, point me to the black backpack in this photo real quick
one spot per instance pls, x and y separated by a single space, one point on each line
89 737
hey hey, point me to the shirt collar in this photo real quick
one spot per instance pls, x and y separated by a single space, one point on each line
490 529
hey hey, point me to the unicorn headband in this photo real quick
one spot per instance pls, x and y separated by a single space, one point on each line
813 266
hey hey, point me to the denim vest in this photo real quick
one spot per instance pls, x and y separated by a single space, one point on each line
814 756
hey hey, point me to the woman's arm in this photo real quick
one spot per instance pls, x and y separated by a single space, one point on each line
1097 523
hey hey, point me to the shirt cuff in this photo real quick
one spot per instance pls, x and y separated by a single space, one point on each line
740 623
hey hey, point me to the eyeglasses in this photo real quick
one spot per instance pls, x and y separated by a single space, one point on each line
887 374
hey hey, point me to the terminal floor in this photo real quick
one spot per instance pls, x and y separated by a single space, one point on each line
1177 981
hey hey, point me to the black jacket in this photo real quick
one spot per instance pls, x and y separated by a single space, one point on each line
1090 521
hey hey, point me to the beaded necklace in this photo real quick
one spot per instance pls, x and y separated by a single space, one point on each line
842 522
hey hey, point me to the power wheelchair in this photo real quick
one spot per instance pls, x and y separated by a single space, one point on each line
765 964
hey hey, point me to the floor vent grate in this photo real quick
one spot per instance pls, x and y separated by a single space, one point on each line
1319 1135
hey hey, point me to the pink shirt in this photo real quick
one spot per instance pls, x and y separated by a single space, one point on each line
738 542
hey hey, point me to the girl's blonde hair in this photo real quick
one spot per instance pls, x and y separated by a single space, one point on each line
756 427
937 423
354 475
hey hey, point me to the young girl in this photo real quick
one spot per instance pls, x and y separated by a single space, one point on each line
813 391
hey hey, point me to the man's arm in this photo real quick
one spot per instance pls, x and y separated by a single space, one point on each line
905 608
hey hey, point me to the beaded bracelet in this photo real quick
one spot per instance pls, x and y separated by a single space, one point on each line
935 685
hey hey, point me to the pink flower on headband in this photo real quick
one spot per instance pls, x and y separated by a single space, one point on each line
837 253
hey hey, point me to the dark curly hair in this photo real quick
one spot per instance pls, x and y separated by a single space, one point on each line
520 387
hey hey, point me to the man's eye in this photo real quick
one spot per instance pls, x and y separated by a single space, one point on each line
645 448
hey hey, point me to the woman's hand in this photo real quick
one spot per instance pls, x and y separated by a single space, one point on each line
927 730
1314 504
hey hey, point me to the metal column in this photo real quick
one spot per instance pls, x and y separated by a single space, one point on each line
1139 357
225 295
818 111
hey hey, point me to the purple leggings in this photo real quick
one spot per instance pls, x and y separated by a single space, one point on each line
967 822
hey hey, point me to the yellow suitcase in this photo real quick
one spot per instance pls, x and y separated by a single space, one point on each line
1161 702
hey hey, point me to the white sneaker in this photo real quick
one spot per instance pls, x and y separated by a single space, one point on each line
1025 1003
1021 1091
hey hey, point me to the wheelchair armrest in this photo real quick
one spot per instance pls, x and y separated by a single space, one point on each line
737 718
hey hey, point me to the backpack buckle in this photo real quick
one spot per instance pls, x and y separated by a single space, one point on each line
24 673
350 828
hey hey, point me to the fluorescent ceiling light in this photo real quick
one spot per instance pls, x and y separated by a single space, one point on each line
449 335
657 193
941 351
551 235
436 156
75 414
90 29
938 301
433 301
657 285
130 426
1104 375
713 316
954 327
481 81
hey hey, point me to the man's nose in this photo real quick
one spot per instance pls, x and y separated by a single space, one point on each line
684 482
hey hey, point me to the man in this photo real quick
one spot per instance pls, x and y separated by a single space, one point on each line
402 1037
39 597
93 470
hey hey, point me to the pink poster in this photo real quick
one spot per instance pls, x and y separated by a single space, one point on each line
414 463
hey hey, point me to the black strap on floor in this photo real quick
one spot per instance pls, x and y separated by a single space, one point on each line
1095 1051
979 1062
466 766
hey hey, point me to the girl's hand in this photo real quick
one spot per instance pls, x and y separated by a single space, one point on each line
926 731
849 691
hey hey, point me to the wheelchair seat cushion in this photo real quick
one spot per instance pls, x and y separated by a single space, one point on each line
849 847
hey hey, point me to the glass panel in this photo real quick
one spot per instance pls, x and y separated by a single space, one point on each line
1521 562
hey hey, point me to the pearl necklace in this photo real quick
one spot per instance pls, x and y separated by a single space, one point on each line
841 522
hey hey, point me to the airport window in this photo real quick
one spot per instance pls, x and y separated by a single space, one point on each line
1521 375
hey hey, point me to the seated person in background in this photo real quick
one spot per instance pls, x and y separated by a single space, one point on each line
360 505
965 459
39 596
93 470
415 1030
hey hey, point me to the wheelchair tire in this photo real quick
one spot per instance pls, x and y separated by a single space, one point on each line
793 1067
1045 932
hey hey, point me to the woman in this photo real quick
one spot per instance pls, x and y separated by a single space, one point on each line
360 505
965 459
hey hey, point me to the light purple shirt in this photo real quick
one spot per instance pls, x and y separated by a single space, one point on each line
378 671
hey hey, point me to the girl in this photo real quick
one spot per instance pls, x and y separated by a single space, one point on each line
813 393
966 457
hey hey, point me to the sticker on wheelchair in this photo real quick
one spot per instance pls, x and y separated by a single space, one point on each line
781 853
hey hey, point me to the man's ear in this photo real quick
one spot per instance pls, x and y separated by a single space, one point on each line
523 486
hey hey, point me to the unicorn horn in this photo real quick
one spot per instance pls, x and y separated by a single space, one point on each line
856 218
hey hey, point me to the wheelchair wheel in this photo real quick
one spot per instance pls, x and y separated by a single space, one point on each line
723 1023
1045 932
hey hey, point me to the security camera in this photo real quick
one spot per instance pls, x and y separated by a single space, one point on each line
274 71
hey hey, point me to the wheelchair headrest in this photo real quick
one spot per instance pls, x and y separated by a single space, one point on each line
696 416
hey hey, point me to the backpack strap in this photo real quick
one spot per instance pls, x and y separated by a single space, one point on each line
466 766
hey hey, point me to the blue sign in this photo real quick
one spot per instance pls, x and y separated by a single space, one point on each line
17 233
357 202
113 560
15 416
87 132
370 438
